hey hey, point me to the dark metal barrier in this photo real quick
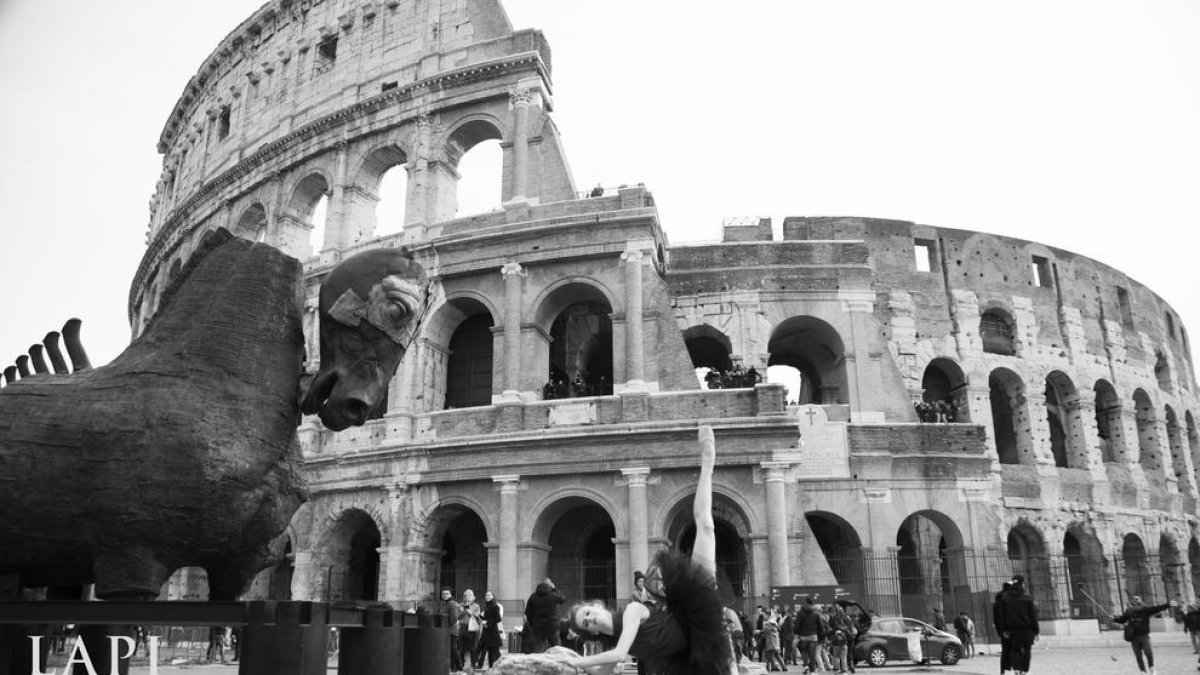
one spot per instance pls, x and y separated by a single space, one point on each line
282 638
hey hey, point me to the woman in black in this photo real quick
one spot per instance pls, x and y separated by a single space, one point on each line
491 638
683 632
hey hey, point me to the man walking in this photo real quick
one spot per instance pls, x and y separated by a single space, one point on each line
1137 630
1018 623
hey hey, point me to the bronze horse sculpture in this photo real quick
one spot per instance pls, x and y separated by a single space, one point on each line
183 450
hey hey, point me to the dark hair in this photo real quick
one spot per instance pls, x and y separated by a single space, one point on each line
573 614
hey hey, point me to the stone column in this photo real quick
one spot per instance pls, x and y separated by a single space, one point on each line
512 273
508 486
775 477
417 207
639 530
302 573
335 218
520 100
391 557
633 317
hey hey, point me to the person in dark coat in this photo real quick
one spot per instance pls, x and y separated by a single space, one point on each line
1019 624
1137 630
541 615
811 633
450 610
492 634
1005 654
1191 623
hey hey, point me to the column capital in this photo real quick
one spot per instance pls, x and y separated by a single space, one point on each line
507 482
636 476
632 256
775 471
521 96
512 268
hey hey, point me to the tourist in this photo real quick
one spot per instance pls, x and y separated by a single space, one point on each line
787 636
1018 624
772 647
808 630
965 627
541 615
216 643
491 636
450 611
683 631
1005 654
640 592
841 639
468 630
939 619
1191 623
1137 630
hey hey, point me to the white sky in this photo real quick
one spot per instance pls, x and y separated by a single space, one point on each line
1073 123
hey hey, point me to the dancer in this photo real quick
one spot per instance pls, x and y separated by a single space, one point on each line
683 632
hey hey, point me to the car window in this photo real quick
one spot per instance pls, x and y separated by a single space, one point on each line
913 624
886 626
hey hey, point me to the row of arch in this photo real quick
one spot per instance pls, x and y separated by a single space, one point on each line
1066 410
997 332
378 192
927 566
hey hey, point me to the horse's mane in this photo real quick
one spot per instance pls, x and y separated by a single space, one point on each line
212 240
234 302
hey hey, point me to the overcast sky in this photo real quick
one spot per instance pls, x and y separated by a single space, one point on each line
1072 123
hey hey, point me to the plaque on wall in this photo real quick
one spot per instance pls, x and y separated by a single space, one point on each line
823 449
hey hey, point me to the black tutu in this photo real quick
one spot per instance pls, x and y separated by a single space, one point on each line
688 592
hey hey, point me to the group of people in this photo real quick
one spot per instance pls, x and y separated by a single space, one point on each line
815 636
940 411
476 631
561 387
735 378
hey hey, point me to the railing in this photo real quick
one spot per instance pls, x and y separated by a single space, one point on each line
282 638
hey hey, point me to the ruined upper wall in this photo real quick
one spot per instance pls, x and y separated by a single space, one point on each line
1076 301
295 62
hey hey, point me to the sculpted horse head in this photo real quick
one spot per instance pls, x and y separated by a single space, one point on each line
371 305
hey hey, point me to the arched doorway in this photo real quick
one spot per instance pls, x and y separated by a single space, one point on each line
350 558
1066 424
582 558
1108 420
1010 420
998 332
1174 571
709 350
930 563
1087 576
943 393
1137 573
1027 554
469 364
463 542
732 531
1148 443
581 348
841 546
814 348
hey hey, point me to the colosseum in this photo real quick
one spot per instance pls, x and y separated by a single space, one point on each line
961 405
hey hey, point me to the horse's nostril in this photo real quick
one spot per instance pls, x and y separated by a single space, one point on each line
356 409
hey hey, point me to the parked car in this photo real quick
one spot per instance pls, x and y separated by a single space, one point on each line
887 638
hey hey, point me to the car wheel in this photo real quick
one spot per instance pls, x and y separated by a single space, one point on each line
877 657
951 654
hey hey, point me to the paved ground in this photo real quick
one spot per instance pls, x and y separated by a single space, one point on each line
1173 657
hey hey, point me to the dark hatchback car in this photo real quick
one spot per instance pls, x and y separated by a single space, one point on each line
887 638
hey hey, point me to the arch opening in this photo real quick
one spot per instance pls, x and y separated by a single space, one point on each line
582 559
943 393
997 331
814 348
1108 421
1010 424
